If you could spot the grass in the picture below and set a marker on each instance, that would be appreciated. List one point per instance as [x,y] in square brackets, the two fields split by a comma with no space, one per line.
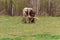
[35,37]
[46,28]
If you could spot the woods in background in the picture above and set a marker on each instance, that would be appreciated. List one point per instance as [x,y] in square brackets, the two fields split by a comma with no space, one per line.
[42,7]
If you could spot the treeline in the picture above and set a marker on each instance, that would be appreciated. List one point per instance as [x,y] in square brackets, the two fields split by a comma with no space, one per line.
[49,8]
[43,8]
[12,7]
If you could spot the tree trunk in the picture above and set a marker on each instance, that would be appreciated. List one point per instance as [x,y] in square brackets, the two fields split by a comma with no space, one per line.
[11,8]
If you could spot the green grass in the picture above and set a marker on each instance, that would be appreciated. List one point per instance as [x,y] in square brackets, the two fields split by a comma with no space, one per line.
[35,37]
[46,28]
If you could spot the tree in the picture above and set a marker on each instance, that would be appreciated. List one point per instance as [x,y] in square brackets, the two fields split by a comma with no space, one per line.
[35,5]
[11,7]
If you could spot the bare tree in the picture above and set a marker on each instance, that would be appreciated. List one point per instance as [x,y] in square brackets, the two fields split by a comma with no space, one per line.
[6,5]
[11,7]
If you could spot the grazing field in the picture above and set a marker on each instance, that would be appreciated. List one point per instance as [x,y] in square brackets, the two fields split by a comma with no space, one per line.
[46,28]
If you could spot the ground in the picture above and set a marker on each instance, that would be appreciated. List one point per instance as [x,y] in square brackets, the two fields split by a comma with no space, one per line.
[46,28]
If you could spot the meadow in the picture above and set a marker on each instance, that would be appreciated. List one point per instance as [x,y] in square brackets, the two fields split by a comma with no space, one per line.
[46,28]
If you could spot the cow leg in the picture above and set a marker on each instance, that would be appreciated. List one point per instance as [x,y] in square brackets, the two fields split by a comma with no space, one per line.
[33,20]
[29,20]
[24,20]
